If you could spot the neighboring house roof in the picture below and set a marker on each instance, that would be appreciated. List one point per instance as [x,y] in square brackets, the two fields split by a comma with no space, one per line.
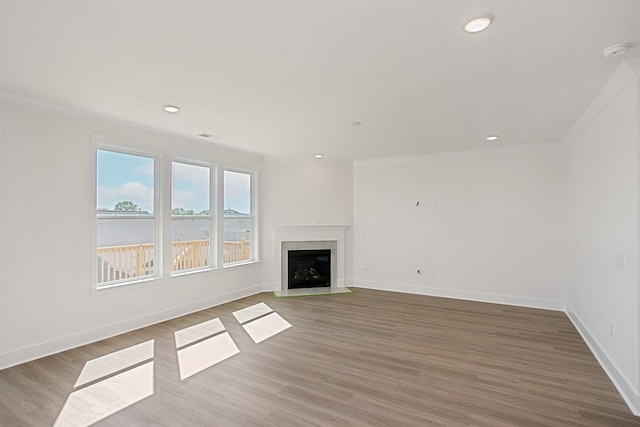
[129,231]
[232,212]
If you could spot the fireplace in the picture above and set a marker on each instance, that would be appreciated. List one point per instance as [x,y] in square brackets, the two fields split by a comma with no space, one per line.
[309,268]
[309,264]
[292,238]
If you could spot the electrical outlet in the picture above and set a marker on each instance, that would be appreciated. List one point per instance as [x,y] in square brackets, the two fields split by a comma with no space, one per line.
[419,271]
[611,329]
[620,261]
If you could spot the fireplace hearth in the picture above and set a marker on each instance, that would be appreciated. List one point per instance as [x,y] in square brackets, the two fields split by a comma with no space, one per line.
[309,268]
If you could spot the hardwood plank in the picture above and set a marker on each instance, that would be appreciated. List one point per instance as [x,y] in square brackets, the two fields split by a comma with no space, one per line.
[370,358]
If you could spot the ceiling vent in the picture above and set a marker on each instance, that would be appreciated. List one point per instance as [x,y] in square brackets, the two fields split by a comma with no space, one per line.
[615,50]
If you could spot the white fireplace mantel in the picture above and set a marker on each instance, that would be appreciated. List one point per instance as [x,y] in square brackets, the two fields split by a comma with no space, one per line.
[310,233]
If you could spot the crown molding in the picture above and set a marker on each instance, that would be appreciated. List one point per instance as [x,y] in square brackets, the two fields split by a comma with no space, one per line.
[626,72]
[92,118]
[462,153]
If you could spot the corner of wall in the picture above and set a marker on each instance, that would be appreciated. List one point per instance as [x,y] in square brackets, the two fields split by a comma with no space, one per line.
[634,65]
[630,395]
[605,127]
[270,287]
[626,72]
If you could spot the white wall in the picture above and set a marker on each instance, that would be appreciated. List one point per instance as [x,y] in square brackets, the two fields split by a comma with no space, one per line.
[489,226]
[304,192]
[46,214]
[602,225]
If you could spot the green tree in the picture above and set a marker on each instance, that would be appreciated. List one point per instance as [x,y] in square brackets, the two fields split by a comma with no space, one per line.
[181,211]
[126,206]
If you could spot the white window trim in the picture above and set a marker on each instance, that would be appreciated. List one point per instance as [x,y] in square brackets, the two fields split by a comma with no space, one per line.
[106,144]
[212,219]
[162,210]
[253,255]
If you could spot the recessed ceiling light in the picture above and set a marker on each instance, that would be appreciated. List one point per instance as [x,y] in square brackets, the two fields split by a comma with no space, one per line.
[318,156]
[492,137]
[171,108]
[478,24]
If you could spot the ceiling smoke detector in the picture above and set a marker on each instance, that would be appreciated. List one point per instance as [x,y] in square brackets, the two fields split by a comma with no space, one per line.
[615,50]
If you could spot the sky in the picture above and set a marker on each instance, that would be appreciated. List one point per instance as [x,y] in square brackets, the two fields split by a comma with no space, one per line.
[237,193]
[190,187]
[125,177]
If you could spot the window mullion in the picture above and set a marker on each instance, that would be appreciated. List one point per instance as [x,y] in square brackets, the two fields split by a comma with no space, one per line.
[219,217]
[213,219]
[164,214]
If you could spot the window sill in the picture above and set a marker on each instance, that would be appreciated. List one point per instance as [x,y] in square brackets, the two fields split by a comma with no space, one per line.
[240,264]
[158,280]
[189,272]
[122,285]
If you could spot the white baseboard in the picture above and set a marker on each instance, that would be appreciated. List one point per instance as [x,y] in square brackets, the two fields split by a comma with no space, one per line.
[463,295]
[630,395]
[273,286]
[36,351]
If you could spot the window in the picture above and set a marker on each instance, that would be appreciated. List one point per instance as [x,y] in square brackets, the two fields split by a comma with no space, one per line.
[125,216]
[156,216]
[238,216]
[190,217]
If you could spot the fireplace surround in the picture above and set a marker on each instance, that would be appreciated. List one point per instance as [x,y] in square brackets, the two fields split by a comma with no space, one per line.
[310,237]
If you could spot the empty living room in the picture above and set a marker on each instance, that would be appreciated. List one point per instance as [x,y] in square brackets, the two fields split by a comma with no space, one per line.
[316,213]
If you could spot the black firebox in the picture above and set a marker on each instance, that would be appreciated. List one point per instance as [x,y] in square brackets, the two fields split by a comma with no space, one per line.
[309,268]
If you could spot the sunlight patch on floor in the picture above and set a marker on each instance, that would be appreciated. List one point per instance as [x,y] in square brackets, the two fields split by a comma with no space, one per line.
[90,404]
[114,362]
[203,355]
[197,332]
[127,376]
[252,312]
[266,327]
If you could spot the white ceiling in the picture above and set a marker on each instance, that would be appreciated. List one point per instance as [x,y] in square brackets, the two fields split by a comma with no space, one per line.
[289,77]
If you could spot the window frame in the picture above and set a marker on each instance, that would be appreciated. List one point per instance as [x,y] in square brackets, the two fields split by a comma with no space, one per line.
[163,155]
[253,252]
[156,216]
[211,217]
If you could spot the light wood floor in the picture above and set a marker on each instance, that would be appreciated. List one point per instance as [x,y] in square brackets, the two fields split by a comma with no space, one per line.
[370,358]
